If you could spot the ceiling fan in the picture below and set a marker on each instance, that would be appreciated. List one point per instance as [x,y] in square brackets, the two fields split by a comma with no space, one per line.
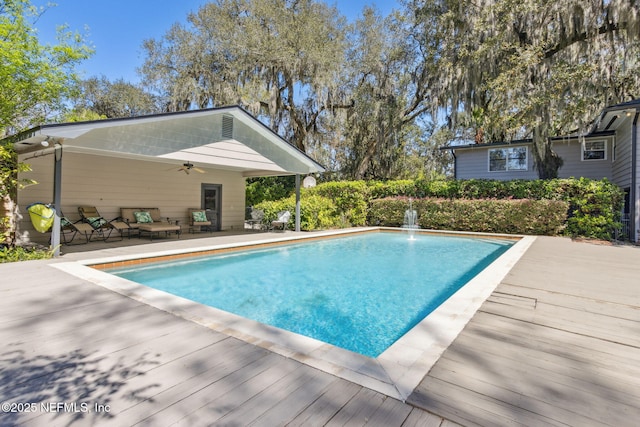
[187,167]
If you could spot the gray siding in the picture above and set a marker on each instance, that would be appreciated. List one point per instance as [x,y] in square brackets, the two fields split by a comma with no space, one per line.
[636,170]
[110,183]
[473,163]
[570,152]
[621,173]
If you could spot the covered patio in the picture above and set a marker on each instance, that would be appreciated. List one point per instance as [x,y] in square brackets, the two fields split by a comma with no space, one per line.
[172,161]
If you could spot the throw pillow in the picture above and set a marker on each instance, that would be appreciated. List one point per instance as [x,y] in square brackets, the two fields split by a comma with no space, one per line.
[96,222]
[199,216]
[143,217]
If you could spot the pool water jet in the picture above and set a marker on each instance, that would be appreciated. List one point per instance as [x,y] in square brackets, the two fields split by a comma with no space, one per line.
[411,220]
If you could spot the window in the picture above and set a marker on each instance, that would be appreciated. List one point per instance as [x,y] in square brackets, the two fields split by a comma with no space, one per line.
[594,150]
[508,159]
[613,151]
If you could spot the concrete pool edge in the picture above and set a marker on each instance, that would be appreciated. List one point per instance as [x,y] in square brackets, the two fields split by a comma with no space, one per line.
[396,372]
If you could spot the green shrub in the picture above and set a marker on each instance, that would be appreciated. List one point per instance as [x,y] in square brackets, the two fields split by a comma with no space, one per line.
[388,212]
[382,189]
[524,216]
[13,254]
[5,229]
[350,198]
[268,188]
[316,212]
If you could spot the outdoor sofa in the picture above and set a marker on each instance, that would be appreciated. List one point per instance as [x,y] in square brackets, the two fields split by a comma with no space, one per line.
[148,220]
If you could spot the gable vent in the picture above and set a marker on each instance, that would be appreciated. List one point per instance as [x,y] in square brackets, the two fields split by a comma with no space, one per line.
[227,127]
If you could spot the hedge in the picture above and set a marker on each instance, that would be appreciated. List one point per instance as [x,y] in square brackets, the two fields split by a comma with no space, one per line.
[523,216]
[593,206]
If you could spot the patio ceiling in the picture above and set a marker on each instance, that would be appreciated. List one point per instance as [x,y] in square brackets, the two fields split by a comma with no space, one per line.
[222,138]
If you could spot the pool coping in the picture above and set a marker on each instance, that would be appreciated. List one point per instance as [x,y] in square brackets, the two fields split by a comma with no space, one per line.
[396,372]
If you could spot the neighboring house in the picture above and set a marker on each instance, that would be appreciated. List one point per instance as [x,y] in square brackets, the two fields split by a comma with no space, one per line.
[609,150]
[143,162]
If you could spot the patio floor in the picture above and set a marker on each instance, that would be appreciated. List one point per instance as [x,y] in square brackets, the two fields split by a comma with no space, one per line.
[557,343]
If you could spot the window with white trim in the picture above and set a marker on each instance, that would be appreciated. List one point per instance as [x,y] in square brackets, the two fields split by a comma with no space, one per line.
[508,159]
[594,150]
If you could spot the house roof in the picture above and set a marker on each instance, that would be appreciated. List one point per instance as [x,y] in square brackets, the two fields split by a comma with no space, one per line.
[610,119]
[222,138]
[612,116]
[527,141]
[491,144]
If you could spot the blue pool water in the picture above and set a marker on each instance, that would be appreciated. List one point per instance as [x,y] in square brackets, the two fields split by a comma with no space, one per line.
[360,293]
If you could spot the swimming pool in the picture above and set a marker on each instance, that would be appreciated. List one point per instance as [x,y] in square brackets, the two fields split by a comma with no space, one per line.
[360,292]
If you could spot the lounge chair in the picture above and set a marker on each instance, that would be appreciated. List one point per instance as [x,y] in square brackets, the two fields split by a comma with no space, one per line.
[42,218]
[198,219]
[282,220]
[104,228]
[75,228]
[148,220]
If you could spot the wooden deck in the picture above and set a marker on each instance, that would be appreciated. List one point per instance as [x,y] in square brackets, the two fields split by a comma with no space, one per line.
[557,343]
[65,341]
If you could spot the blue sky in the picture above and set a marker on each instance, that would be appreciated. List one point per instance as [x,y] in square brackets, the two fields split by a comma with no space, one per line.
[117,28]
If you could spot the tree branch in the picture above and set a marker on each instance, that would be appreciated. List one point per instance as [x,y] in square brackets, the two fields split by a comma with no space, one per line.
[563,44]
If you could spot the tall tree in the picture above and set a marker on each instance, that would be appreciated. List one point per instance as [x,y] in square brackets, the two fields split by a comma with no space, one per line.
[278,58]
[35,79]
[381,130]
[530,68]
[115,99]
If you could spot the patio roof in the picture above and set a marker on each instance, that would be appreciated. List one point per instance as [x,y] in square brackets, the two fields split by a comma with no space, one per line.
[222,138]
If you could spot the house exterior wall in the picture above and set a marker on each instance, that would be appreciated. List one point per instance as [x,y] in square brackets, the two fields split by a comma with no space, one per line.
[570,151]
[473,163]
[635,169]
[621,171]
[109,183]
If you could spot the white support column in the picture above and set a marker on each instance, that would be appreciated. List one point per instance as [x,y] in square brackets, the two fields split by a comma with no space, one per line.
[57,198]
[297,202]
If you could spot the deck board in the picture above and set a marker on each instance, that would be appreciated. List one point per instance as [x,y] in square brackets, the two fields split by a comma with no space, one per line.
[298,398]
[390,411]
[418,418]
[358,410]
[180,397]
[322,409]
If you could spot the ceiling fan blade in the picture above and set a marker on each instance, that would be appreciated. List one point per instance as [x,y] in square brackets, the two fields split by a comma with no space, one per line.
[198,170]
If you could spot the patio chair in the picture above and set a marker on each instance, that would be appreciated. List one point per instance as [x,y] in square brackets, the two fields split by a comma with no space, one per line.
[198,219]
[282,220]
[256,218]
[75,228]
[102,227]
